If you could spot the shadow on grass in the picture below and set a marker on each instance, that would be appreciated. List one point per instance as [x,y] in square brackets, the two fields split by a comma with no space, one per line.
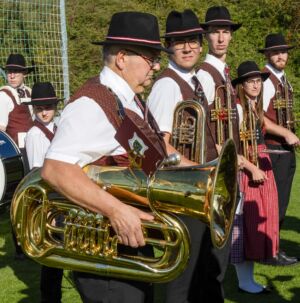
[25,271]
[291,224]
[233,295]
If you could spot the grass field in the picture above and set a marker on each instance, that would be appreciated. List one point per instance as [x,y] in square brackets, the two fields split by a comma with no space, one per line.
[19,280]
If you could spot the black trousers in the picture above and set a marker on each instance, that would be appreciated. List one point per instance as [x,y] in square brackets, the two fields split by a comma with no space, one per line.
[211,270]
[97,289]
[18,249]
[50,284]
[202,279]
[284,167]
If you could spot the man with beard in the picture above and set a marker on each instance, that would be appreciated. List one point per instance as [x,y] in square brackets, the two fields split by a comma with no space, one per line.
[280,136]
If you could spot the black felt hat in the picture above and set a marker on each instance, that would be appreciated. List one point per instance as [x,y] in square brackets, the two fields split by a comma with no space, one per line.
[275,42]
[43,93]
[133,28]
[16,62]
[182,24]
[218,16]
[248,69]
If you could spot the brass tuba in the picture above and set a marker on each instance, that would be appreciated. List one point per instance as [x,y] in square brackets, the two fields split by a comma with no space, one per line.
[248,137]
[85,241]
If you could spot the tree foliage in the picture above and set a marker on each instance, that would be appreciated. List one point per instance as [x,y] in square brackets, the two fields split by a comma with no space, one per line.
[88,21]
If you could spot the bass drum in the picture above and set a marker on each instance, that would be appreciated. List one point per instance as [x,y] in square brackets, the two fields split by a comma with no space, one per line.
[11,167]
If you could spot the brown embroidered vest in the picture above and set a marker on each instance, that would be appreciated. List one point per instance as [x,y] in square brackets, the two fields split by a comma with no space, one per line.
[189,94]
[271,112]
[219,81]
[19,119]
[107,101]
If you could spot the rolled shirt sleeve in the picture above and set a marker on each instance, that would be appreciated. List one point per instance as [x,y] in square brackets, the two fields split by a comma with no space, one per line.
[162,101]
[268,93]
[84,134]
[6,106]
[36,144]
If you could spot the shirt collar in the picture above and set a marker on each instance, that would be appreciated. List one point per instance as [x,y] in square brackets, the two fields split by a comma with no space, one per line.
[276,72]
[215,62]
[49,125]
[184,74]
[117,84]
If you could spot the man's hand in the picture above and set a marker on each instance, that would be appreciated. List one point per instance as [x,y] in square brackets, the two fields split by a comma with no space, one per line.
[74,184]
[126,222]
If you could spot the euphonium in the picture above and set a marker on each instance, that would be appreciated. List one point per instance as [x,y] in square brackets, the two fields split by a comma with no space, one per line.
[85,241]
[248,137]
[188,131]
[223,115]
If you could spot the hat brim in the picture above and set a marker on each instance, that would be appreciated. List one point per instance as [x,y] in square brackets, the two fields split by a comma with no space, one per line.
[137,43]
[234,26]
[275,48]
[186,33]
[44,102]
[26,70]
[264,76]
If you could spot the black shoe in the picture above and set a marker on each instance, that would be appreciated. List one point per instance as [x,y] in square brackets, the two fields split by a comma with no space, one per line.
[285,256]
[265,290]
[20,256]
[281,260]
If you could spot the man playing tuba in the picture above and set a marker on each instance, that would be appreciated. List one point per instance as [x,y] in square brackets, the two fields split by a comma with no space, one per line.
[86,134]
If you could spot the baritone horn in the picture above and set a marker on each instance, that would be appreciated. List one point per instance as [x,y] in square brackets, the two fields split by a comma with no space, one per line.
[57,233]
[188,131]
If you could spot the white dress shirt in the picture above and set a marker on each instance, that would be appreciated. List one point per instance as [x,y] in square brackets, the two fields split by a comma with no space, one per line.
[37,144]
[206,79]
[7,105]
[84,133]
[165,95]
[269,89]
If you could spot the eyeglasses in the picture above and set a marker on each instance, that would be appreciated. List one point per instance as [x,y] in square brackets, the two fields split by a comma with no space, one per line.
[180,44]
[254,81]
[152,61]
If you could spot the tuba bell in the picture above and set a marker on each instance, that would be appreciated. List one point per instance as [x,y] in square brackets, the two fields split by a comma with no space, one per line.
[55,232]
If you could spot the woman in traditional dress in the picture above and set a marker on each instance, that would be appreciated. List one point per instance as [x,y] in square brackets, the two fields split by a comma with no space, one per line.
[256,232]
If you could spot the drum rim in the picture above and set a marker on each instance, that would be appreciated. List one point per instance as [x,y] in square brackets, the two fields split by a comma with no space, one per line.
[19,154]
[2,169]
[16,147]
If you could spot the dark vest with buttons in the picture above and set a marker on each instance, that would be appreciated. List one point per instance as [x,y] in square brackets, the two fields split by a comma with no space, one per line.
[19,119]
[219,81]
[189,94]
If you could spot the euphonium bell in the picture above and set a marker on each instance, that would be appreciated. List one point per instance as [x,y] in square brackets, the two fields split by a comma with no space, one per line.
[58,233]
